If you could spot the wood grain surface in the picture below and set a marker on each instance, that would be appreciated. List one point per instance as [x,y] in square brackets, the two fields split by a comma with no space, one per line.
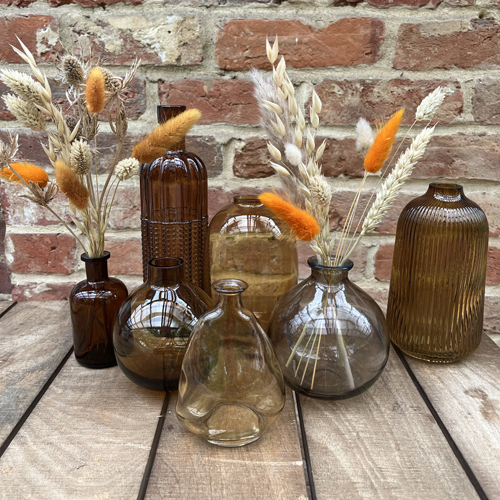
[466,396]
[187,467]
[33,341]
[4,305]
[88,438]
[381,444]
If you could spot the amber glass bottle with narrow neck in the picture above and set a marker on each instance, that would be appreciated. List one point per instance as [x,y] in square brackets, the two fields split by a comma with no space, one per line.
[174,216]
[436,299]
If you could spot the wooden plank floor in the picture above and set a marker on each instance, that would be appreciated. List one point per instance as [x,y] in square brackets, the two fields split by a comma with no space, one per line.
[466,396]
[33,342]
[4,305]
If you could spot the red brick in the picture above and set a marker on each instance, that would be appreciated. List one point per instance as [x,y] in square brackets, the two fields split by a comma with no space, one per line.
[383,262]
[224,3]
[40,253]
[448,44]
[218,198]
[348,42]
[29,28]
[208,150]
[251,159]
[91,3]
[486,101]
[16,3]
[42,291]
[345,101]
[155,39]
[5,284]
[219,100]
[493,269]
[126,255]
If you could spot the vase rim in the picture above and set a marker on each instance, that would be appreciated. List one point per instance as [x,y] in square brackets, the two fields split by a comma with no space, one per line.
[105,256]
[166,263]
[446,185]
[248,198]
[230,286]
[312,262]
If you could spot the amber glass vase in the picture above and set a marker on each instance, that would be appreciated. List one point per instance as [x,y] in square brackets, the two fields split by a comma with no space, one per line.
[231,387]
[248,242]
[94,304]
[330,336]
[174,219]
[436,299]
[154,324]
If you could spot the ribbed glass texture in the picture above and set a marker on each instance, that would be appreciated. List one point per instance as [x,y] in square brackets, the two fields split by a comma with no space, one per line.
[436,298]
[174,217]
[248,242]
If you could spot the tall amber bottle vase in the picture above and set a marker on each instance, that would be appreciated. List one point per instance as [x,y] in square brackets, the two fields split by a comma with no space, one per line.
[436,298]
[174,218]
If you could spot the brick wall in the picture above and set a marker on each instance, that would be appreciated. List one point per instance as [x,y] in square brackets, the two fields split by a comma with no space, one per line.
[366,58]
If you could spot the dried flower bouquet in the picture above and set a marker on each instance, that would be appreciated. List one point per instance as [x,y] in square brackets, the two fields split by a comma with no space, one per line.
[72,135]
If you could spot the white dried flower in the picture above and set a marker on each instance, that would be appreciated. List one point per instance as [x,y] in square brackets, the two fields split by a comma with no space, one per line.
[293,154]
[272,53]
[364,135]
[430,104]
[127,168]
[320,190]
[281,68]
[275,152]
[24,86]
[27,113]
[280,170]
[316,102]
[81,157]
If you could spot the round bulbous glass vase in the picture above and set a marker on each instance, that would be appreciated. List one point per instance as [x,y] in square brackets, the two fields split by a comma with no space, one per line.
[329,335]
[231,387]
[154,323]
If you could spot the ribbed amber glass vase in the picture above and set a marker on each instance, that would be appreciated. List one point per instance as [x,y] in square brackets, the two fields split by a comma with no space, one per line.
[436,298]
[174,218]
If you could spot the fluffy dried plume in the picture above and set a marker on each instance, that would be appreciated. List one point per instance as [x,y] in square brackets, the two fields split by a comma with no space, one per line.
[127,168]
[95,91]
[26,112]
[24,86]
[293,154]
[27,172]
[71,186]
[428,107]
[303,225]
[364,135]
[165,136]
[382,145]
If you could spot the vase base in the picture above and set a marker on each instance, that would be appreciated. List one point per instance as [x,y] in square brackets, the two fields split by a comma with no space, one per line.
[96,366]
[153,384]
[438,358]
[234,444]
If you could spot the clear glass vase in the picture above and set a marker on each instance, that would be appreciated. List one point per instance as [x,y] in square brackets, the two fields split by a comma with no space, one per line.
[154,324]
[248,242]
[330,336]
[436,299]
[231,387]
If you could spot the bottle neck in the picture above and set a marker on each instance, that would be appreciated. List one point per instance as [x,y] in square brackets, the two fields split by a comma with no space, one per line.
[96,268]
[229,291]
[164,114]
[329,275]
[165,272]
[248,201]
[446,192]
[229,301]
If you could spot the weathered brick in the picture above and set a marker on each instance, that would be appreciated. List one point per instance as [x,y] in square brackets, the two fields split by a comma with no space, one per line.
[119,39]
[224,3]
[493,269]
[92,3]
[219,100]
[126,255]
[345,101]
[251,159]
[347,42]
[486,101]
[16,3]
[5,284]
[383,262]
[38,33]
[5,114]
[40,253]
[42,291]
[447,44]
[218,198]
[208,150]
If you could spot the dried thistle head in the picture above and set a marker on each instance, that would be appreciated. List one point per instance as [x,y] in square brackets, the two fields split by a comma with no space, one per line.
[8,152]
[26,112]
[112,83]
[81,157]
[74,71]
[42,196]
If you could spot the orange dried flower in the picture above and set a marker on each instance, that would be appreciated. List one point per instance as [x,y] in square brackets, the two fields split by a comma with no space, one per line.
[303,225]
[71,186]
[382,145]
[165,136]
[28,172]
[95,91]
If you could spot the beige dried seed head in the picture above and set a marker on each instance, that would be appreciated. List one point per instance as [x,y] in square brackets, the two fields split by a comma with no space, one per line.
[27,113]
[73,70]
[81,157]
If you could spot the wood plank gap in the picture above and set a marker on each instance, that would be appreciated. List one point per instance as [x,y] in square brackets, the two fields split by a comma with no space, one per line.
[154,447]
[33,404]
[311,490]
[456,450]
[3,313]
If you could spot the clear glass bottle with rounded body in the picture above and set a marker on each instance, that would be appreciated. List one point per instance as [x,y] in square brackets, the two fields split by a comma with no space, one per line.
[94,304]
[248,242]
[231,387]
[436,298]
[330,336]
[174,213]
[154,323]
